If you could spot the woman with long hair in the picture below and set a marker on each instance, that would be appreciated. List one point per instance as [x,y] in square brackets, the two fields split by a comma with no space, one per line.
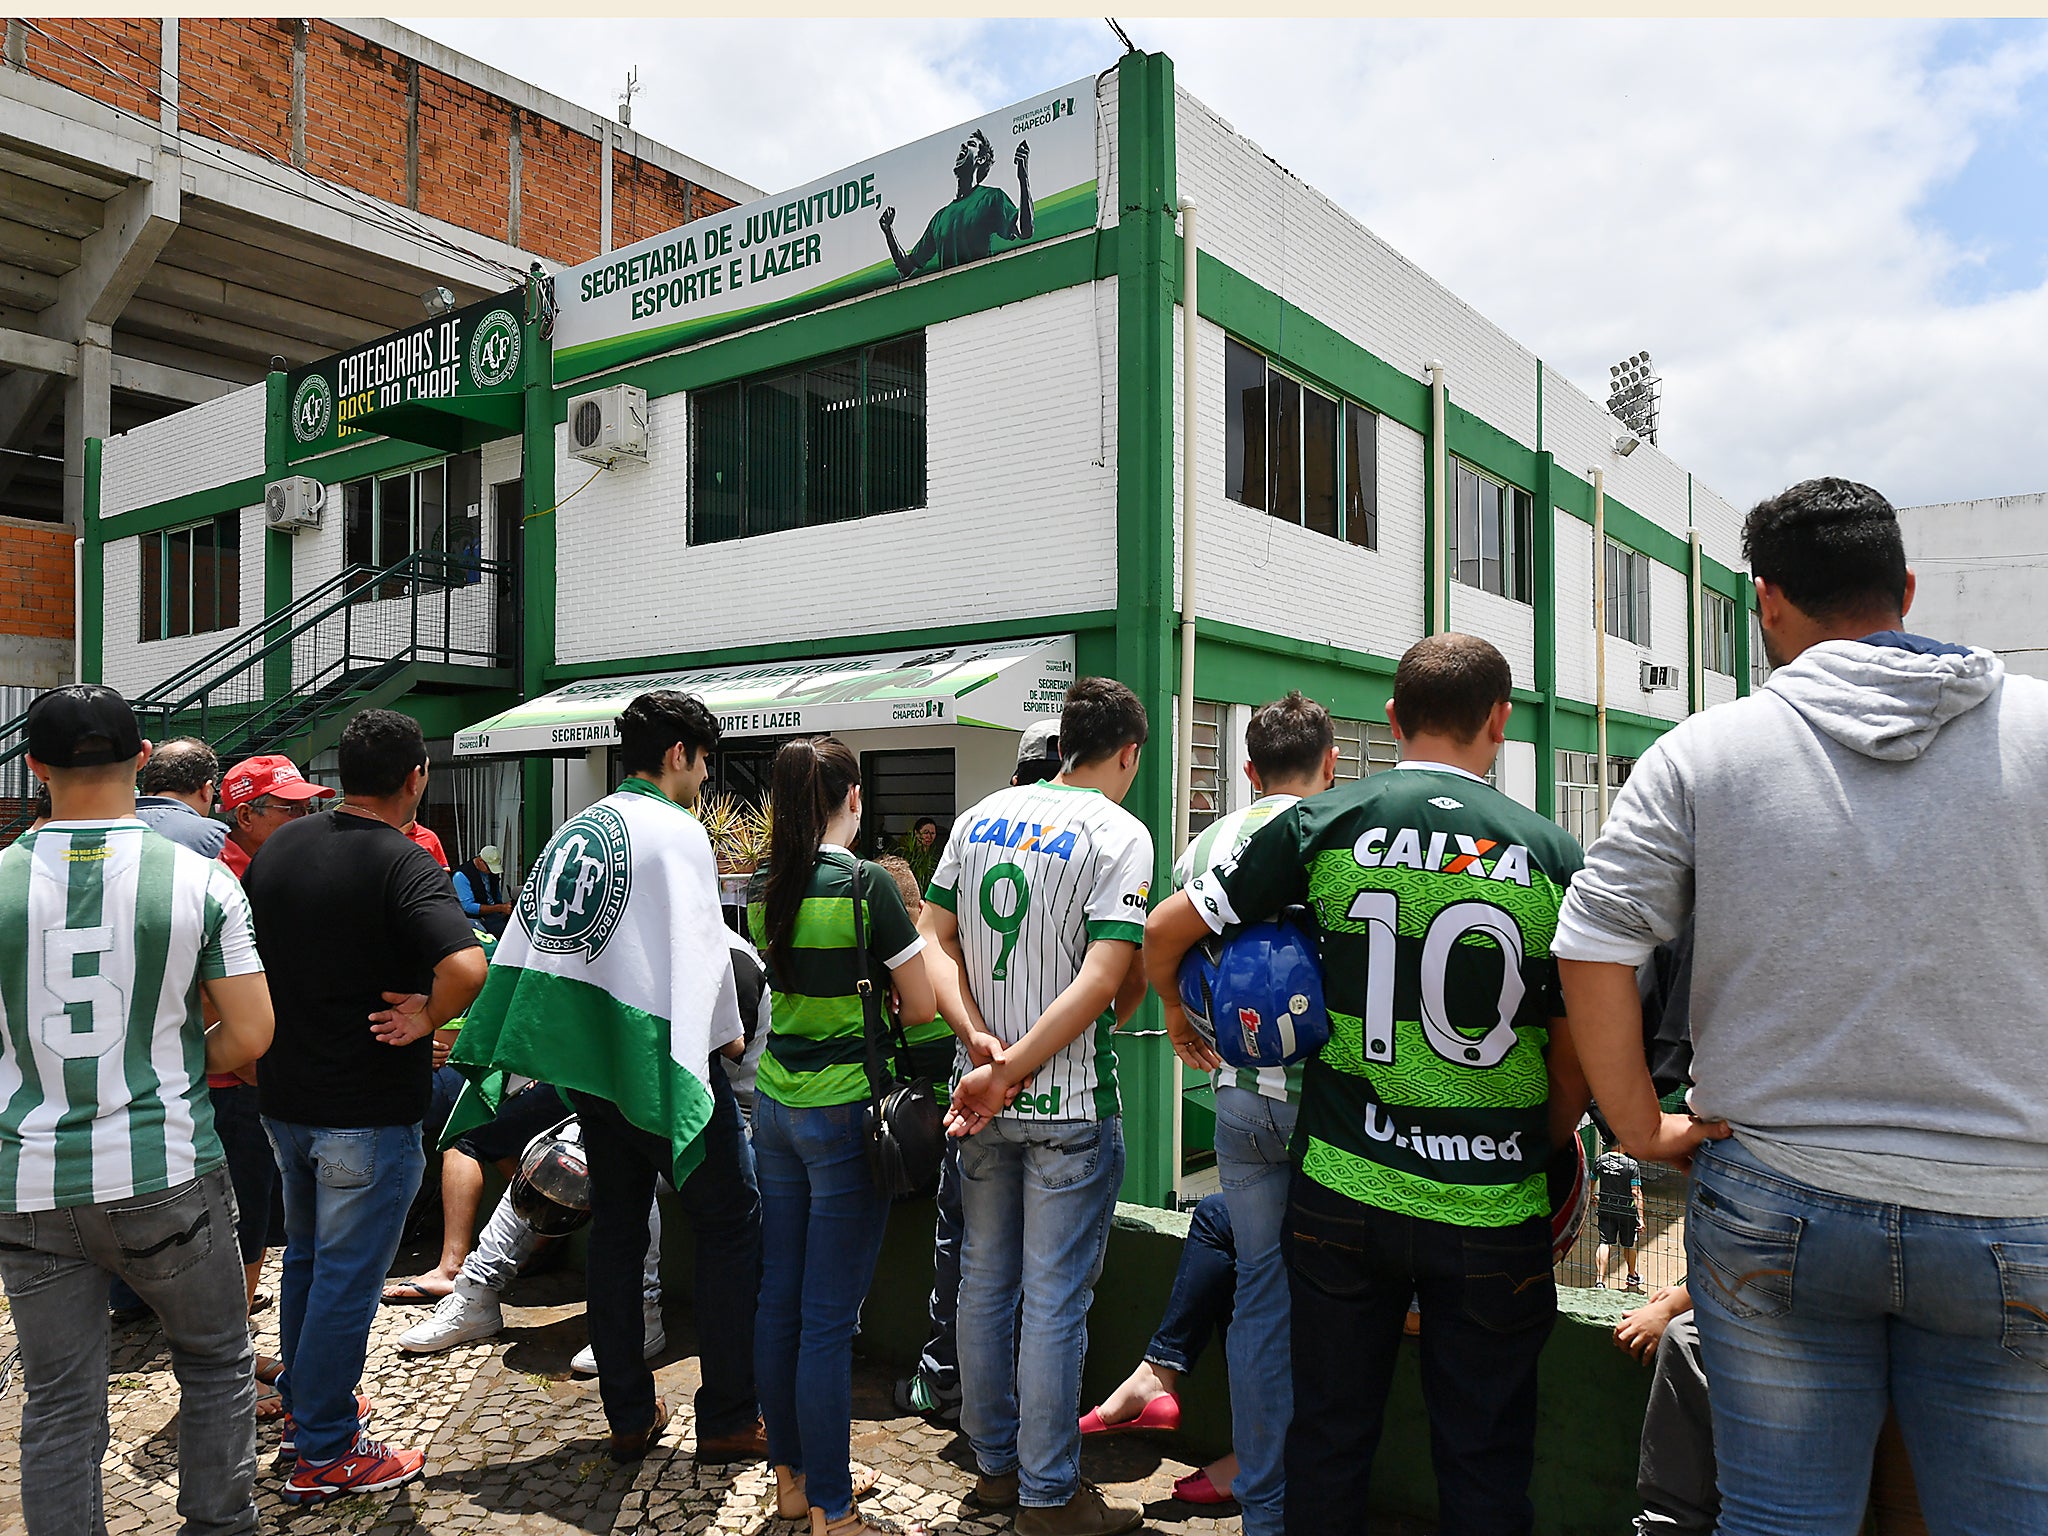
[822,1217]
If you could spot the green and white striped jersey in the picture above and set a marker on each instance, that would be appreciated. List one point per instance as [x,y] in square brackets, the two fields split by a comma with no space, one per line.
[106,929]
[1217,843]
[1034,873]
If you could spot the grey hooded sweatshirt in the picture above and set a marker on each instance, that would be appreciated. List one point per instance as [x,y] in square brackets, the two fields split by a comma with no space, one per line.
[1863,846]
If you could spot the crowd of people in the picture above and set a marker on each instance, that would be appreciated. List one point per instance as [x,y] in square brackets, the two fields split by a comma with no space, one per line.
[1867,1138]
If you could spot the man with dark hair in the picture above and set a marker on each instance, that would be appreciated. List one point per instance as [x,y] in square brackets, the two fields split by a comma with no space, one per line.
[177,795]
[967,228]
[261,794]
[110,937]
[617,984]
[369,953]
[1862,846]
[1038,904]
[1426,1122]
[1291,754]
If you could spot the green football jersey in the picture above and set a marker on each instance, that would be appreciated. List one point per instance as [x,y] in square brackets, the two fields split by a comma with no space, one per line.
[965,230]
[1437,898]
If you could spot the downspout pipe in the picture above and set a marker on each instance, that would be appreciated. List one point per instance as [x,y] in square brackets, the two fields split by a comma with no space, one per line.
[1184,770]
[1600,634]
[78,604]
[1696,683]
[1440,459]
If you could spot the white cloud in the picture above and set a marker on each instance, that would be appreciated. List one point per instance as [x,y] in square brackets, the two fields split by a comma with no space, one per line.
[1739,197]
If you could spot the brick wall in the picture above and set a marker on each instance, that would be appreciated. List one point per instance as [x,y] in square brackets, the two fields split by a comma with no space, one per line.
[449,155]
[35,599]
[235,82]
[356,109]
[129,48]
[465,172]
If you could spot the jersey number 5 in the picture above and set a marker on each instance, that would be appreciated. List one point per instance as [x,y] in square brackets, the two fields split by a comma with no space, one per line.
[1380,911]
[1005,923]
[106,1005]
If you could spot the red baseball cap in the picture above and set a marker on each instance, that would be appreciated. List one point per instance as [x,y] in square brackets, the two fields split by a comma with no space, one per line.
[278,777]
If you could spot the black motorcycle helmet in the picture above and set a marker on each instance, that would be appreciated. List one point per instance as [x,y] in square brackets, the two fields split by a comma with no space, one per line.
[552,1190]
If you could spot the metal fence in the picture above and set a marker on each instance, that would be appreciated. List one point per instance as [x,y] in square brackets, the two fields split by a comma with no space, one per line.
[1660,1244]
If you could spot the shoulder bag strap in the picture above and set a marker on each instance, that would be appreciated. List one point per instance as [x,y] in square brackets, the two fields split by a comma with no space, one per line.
[871,1009]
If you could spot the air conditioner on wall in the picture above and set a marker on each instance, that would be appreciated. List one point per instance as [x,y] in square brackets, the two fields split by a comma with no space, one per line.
[293,503]
[609,425]
[1659,679]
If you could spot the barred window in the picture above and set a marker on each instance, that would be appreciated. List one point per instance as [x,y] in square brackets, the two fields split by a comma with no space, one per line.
[842,437]
[1208,777]
[1364,747]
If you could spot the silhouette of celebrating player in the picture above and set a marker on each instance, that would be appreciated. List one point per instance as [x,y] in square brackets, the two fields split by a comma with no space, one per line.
[967,228]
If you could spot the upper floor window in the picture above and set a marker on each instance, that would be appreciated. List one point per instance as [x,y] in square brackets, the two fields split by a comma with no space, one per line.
[192,578]
[839,438]
[1717,632]
[1290,450]
[435,508]
[1490,538]
[1759,663]
[1628,594]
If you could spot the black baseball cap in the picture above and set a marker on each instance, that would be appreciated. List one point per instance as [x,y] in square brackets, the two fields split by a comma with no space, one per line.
[82,726]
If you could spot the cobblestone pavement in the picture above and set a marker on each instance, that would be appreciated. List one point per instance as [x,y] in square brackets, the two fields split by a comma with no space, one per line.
[516,1444]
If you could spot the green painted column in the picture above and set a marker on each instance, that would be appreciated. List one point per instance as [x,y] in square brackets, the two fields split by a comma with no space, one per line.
[1545,575]
[1146,651]
[277,544]
[91,616]
[537,606]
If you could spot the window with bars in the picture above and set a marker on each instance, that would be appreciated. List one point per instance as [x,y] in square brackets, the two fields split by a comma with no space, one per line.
[1490,540]
[840,438]
[1208,775]
[435,508]
[1628,594]
[1364,747]
[1717,632]
[192,578]
[1578,791]
[1305,457]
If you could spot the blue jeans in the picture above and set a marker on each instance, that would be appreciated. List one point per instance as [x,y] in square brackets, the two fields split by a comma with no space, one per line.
[1204,1290]
[346,1192]
[1038,1197]
[939,1364]
[1252,1136]
[822,1220]
[177,1249]
[1815,1310]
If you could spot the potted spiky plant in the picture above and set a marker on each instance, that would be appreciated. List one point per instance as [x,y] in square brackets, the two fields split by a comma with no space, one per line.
[738,832]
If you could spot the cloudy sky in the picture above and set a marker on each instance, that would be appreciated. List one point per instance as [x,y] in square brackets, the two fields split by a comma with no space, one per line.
[1832,236]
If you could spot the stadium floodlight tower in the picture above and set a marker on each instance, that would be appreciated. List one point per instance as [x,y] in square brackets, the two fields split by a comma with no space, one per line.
[1634,395]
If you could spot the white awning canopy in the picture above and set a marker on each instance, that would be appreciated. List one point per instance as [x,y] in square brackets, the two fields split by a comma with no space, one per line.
[1003,685]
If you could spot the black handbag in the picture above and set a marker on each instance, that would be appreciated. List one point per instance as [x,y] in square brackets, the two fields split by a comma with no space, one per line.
[906,1123]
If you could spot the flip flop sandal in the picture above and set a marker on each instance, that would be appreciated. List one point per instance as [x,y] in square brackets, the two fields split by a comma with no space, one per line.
[402,1292]
[268,1370]
[269,1402]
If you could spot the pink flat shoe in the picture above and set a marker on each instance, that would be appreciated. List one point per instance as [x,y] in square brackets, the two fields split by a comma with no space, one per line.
[1163,1412]
[1196,1488]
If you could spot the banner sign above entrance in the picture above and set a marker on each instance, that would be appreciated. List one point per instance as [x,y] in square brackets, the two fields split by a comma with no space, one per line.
[463,356]
[1023,174]
[1003,685]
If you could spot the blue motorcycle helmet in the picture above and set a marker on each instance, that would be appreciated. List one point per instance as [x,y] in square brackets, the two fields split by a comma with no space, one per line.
[1256,993]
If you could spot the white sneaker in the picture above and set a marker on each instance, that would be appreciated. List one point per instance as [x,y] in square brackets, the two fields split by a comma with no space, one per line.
[585,1363]
[457,1318]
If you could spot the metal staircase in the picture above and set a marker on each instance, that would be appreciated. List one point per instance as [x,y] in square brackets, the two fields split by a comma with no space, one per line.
[289,682]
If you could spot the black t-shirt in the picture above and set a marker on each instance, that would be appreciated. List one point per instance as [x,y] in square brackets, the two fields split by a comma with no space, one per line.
[347,909]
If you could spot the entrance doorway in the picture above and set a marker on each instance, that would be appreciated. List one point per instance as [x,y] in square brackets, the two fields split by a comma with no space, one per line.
[897,788]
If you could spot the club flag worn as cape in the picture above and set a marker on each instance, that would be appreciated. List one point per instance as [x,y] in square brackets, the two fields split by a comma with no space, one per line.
[612,978]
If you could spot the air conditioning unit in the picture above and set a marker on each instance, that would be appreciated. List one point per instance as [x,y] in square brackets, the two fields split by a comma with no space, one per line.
[609,425]
[294,502]
[1659,679]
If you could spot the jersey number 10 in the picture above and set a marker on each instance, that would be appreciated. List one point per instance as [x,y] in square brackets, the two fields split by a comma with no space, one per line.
[1380,912]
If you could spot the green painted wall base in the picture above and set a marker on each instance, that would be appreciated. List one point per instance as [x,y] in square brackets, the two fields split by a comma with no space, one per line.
[1592,1395]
